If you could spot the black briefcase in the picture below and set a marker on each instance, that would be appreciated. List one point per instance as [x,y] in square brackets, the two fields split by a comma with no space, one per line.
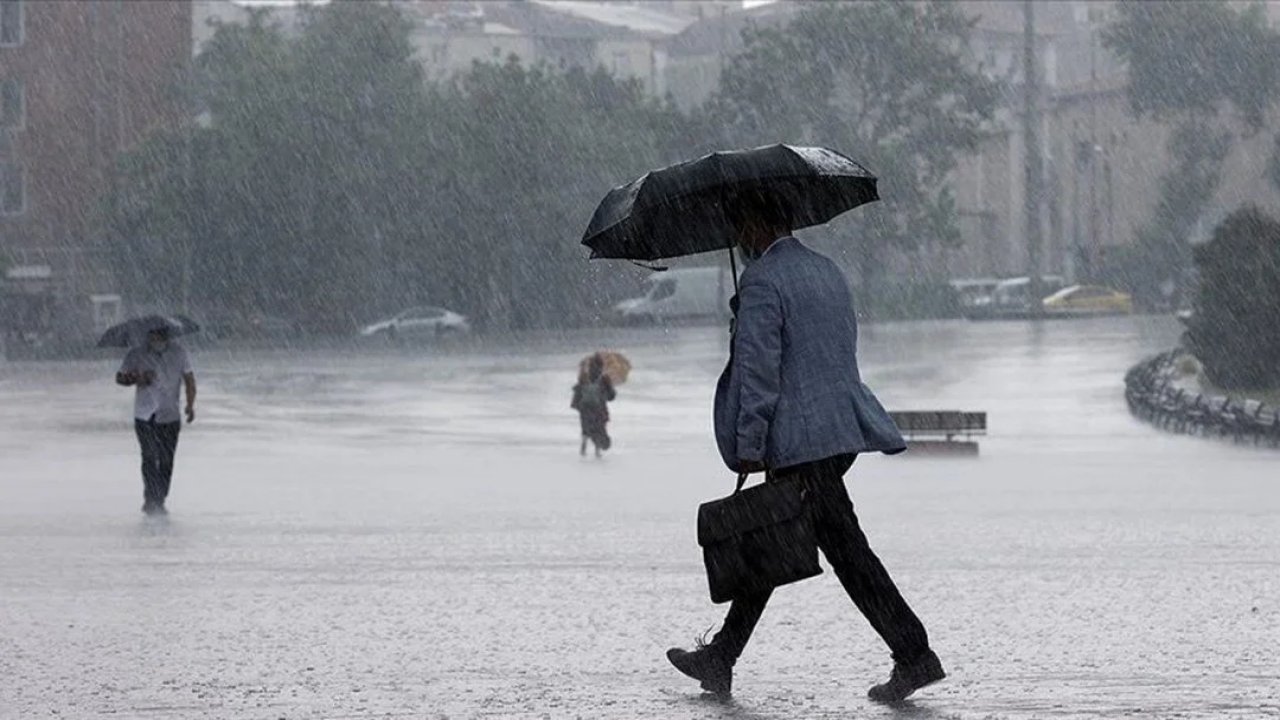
[757,539]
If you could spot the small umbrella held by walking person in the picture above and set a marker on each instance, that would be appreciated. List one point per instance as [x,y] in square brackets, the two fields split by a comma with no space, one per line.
[616,365]
[133,332]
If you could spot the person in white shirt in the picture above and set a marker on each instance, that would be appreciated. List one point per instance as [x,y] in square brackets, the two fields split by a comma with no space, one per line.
[156,369]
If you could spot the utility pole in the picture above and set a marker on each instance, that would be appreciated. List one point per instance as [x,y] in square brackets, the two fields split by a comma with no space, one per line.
[1034,165]
[724,43]
[1095,238]
[189,126]
[190,210]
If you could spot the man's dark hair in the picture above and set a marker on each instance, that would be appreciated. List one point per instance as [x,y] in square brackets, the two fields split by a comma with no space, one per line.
[763,207]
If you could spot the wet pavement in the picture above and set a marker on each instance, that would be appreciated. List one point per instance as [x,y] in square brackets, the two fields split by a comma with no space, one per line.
[410,533]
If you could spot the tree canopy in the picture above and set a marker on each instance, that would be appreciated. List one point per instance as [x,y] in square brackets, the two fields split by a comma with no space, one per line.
[1197,58]
[1195,66]
[333,182]
[529,153]
[886,83]
[1235,330]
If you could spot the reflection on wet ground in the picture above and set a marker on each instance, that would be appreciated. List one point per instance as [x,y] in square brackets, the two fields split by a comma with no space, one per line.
[410,533]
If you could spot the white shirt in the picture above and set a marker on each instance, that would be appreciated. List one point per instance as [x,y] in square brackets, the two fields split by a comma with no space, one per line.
[160,398]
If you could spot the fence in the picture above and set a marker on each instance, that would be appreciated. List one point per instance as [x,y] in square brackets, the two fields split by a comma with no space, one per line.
[1152,396]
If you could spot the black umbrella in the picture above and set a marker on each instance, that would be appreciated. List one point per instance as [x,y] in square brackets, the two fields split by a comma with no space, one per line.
[679,210]
[134,331]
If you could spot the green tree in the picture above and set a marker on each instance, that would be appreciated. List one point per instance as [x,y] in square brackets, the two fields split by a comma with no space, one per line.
[886,82]
[533,151]
[1196,59]
[1235,331]
[152,227]
[1189,64]
[1273,164]
[1186,193]
[334,183]
[301,194]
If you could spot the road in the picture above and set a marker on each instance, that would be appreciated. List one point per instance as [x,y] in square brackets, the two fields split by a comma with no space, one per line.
[411,533]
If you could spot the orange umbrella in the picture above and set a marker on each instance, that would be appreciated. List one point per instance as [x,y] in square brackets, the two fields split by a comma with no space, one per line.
[616,365]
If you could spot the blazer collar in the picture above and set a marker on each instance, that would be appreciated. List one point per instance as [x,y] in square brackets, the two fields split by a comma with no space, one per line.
[785,239]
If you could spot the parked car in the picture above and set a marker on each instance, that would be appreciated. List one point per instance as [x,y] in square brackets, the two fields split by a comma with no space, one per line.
[1015,293]
[680,295]
[973,292]
[1088,300]
[419,323]
[1010,299]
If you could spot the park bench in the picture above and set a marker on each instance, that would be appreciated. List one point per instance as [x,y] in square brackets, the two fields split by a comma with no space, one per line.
[1262,423]
[941,431]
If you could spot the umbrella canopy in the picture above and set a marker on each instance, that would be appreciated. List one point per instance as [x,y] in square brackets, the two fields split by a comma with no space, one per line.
[134,331]
[616,366]
[679,210]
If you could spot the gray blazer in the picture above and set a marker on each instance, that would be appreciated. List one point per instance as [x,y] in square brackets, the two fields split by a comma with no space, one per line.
[792,392]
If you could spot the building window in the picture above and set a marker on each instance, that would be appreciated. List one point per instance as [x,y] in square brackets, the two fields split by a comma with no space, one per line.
[10,22]
[13,105]
[13,189]
[621,64]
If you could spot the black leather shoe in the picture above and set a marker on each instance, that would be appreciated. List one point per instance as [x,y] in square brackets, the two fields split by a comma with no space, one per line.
[907,678]
[705,666]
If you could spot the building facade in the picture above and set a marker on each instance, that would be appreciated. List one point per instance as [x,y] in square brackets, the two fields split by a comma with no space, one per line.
[627,39]
[81,81]
[1102,166]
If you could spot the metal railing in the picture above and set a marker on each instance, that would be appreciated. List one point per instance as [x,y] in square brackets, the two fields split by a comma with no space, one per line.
[1152,396]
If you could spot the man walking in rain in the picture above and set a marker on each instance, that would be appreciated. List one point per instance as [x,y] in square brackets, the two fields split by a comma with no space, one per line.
[792,404]
[156,369]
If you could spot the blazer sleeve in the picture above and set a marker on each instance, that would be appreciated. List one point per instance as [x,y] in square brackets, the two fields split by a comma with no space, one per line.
[758,362]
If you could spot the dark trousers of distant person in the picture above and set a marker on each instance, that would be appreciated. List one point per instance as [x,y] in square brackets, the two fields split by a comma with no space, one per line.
[845,547]
[159,443]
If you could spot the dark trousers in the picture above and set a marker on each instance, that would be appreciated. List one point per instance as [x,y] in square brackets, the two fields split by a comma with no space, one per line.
[595,428]
[159,442]
[846,549]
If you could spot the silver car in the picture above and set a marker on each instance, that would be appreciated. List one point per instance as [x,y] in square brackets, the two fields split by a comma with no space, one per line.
[424,322]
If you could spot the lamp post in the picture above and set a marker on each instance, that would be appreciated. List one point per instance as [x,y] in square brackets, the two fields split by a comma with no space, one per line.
[1034,168]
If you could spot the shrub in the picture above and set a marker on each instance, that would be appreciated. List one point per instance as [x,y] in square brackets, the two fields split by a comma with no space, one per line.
[1235,330]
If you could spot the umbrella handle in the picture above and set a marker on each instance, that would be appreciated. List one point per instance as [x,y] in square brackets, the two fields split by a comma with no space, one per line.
[733,269]
[733,321]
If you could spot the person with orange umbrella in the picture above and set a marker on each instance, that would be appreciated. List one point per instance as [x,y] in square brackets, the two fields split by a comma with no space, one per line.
[597,375]
[616,365]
